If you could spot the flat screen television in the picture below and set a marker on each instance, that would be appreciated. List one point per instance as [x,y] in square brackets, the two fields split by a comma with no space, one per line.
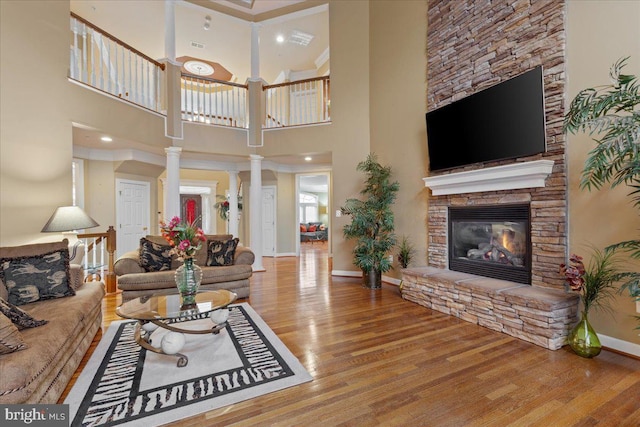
[502,122]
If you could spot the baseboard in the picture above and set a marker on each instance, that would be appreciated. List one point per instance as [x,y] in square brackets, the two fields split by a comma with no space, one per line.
[283,254]
[391,280]
[346,273]
[620,345]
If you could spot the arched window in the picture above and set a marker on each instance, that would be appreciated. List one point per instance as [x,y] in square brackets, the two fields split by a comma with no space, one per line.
[308,207]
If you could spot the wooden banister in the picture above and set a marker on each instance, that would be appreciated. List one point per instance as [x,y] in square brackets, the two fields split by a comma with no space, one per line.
[110,242]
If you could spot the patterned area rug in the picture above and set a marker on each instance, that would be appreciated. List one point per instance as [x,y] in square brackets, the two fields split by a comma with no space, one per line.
[124,384]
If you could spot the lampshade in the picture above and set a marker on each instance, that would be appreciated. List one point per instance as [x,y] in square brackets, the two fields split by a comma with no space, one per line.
[68,218]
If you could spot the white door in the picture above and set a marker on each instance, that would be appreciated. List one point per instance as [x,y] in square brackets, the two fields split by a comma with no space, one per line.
[132,211]
[268,221]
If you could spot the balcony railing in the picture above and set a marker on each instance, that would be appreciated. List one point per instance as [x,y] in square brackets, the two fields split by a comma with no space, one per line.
[297,103]
[99,257]
[103,62]
[212,101]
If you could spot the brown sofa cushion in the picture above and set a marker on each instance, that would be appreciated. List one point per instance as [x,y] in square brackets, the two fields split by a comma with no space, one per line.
[166,279]
[47,271]
[10,338]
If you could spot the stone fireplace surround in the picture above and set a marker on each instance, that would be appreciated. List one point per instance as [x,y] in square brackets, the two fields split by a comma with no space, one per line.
[542,313]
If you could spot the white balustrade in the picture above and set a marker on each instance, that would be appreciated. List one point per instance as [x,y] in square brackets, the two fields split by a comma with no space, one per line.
[212,101]
[110,65]
[297,103]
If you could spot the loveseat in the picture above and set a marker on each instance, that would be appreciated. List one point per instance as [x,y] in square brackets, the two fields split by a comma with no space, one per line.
[135,280]
[43,342]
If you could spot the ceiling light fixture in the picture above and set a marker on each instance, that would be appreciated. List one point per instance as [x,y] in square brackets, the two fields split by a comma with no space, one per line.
[280,38]
[106,139]
[308,158]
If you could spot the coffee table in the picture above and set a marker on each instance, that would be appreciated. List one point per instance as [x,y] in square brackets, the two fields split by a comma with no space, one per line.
[167,311]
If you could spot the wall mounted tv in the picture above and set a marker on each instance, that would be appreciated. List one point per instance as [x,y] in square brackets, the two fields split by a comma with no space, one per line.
[502,122]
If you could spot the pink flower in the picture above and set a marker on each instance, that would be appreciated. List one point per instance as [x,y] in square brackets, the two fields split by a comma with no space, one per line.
[184,245]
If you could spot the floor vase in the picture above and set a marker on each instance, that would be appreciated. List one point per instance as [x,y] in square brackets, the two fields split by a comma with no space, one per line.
[188,277]
[583,338]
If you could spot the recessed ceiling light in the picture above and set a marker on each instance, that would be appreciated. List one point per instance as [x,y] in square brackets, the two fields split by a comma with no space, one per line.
[106,139]
[280,38]
[308,158]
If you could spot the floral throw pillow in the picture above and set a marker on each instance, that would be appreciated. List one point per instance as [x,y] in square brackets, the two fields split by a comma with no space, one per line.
[221,252]
[153,256]
[37,277]
[10,338]
[19,317]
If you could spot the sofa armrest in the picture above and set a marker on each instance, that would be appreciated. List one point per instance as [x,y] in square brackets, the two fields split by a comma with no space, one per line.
[244,256]
[128,263]
[76,274]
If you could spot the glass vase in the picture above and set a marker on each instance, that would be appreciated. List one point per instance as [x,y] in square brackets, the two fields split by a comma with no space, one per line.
[583,338]
[188,277]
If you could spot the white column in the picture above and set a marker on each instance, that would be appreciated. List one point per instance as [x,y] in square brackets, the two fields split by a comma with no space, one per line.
[170,30]
[233,203]
[255,51]
[172,199]
[206,213]
[255,214]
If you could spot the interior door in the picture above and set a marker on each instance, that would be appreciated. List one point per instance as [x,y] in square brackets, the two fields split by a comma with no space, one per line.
[268,221]
[132,211]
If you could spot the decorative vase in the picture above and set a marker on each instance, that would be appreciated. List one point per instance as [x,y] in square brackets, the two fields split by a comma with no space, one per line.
[583,338]
[188,277]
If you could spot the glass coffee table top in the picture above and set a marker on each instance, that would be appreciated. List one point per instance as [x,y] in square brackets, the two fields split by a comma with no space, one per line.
[168,307]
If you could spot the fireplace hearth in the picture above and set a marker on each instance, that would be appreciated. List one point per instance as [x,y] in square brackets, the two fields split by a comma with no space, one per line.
[491,241]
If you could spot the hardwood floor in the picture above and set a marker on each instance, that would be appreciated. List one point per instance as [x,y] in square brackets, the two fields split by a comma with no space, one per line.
[379,360]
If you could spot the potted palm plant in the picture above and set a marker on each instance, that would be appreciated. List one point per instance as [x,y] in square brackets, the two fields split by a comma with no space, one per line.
[611,112]
[372,222]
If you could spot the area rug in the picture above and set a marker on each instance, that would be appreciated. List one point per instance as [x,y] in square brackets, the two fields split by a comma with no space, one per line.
[124,384]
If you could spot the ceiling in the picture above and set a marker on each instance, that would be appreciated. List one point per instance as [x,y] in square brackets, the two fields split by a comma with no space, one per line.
[226,42]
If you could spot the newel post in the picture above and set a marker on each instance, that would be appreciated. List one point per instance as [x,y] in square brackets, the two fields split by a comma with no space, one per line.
[110,279]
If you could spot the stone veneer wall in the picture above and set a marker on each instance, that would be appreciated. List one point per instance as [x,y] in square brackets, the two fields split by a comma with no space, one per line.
[474,44]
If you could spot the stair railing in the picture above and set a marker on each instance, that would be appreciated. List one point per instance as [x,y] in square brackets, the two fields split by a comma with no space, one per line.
[99,257]
[297,103]
[211,101]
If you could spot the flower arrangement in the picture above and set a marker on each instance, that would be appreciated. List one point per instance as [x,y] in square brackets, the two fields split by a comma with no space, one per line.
[223,206]
[185,238]
[594,283]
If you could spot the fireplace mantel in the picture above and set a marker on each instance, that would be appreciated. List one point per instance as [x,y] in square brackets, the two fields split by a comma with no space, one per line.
[506,177]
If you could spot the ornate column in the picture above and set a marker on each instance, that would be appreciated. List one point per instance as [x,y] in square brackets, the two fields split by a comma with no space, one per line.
[233,203]
[255,212]
[172,199]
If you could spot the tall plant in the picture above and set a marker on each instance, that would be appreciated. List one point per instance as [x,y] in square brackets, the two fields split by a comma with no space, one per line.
[372,223]
[611,112]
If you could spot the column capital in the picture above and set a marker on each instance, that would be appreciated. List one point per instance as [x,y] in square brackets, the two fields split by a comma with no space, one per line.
[255,157]
[173,151]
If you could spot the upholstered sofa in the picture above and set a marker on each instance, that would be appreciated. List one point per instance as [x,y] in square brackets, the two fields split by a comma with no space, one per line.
[134,281]
[39,361]
[313,231]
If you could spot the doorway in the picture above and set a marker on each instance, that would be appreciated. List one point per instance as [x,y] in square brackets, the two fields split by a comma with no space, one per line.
[313,208]
[132,212]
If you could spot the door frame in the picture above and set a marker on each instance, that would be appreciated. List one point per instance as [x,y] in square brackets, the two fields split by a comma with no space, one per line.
[147,214]
[275,219]
[329,198]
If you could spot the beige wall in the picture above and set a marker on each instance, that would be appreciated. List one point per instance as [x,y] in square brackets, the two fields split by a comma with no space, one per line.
[598,34]
[35,132]
[398,130]
[286,213]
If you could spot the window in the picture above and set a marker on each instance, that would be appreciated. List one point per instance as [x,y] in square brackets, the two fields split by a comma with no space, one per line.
[308,207]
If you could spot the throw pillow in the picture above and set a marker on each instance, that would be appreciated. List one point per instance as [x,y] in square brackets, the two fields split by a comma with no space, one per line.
[153,256]
[221,252]
[303,228]
[10,338]
[19,317]
[312,228]
[37,277]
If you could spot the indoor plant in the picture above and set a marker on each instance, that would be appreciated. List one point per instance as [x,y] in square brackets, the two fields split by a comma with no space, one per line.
[222,205]
[595,284]
[611,112]
[372,221]
[185,240]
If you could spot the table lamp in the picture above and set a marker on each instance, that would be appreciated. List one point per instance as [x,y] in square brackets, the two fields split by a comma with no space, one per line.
[66,220]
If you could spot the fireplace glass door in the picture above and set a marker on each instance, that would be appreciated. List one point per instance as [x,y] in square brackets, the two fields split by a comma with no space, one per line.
[491,241]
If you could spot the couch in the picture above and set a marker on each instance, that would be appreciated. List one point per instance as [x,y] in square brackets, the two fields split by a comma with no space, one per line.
[41,365]
[313,231]
[135,281]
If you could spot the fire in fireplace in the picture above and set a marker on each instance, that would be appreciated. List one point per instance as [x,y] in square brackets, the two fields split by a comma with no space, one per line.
[492,241]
